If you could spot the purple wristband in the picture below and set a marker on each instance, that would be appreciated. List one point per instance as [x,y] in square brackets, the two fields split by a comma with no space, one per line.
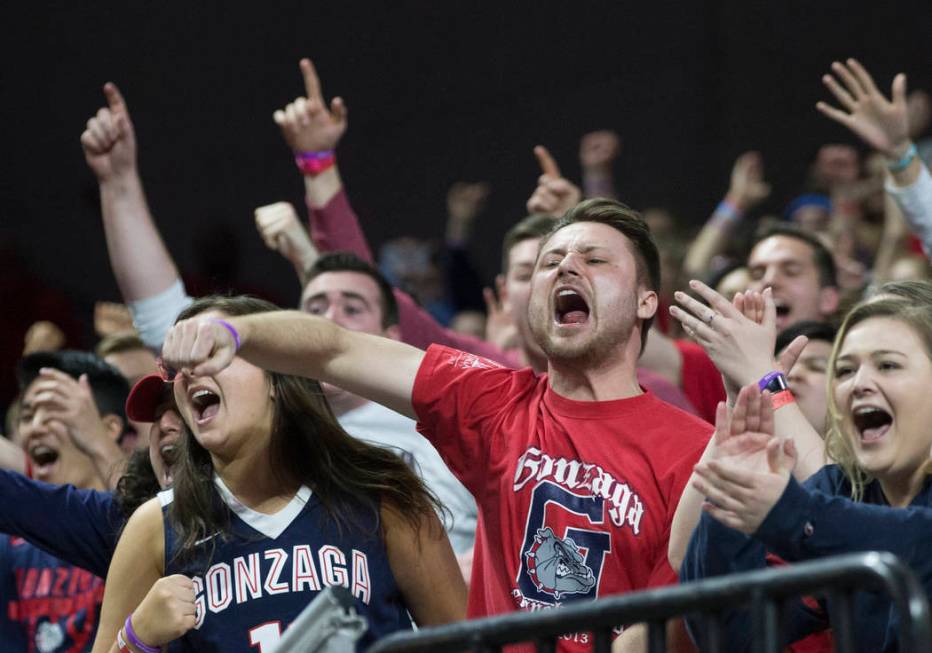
[229,327]
[764,382]
[131,636]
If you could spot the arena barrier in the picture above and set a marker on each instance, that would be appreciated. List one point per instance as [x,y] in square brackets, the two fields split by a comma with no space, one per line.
[838,578]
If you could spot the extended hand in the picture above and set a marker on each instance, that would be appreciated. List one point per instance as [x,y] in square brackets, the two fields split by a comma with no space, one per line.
[749,468]
[748,187]
[883,124]
[109,141]
[740,346]
[306,123]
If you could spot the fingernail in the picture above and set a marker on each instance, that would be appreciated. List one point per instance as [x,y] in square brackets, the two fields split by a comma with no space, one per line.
[693,283]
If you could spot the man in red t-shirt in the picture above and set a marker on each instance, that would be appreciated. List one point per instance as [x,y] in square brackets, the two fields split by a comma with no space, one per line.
[577,473]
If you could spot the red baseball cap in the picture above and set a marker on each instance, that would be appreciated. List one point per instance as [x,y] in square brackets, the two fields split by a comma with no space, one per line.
[145,397]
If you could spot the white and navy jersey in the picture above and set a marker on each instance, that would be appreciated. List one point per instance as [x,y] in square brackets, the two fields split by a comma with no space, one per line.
[252,583]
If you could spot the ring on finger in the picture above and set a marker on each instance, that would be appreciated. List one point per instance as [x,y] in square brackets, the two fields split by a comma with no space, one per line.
[712,316]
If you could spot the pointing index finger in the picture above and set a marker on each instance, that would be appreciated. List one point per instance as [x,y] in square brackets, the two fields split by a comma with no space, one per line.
[115,100]
[311,81]
[548,164]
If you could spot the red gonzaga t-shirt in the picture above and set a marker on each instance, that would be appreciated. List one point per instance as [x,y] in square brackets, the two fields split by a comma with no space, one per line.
[575,497]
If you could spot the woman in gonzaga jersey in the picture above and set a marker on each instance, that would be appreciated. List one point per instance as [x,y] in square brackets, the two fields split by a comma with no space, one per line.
[272,502]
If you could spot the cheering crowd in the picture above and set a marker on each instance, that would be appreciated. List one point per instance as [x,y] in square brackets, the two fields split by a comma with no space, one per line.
[632,406]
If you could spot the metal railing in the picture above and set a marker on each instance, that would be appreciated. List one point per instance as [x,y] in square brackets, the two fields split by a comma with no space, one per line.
[764,591]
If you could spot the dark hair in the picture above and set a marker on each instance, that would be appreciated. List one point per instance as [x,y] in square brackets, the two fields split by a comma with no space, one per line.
[109,387]
[810,328]
[138,483]
[349,262]
[536,225]
[821,256]
[117,343]
[308,446]
[630,223]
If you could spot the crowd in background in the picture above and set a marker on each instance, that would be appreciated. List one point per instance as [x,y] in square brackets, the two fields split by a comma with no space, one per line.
[697,402]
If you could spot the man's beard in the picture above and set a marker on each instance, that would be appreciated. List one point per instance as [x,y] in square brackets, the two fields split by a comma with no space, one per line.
[590,350]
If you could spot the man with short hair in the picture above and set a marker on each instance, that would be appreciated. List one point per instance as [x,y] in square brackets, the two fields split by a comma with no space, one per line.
[72,407]
[801,271]
[346,290]
[577,472]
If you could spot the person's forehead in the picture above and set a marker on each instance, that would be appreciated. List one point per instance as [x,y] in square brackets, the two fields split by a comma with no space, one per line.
[524,252]
[776,249]
[816,349]
[344,281]
[880,334]
[586,235]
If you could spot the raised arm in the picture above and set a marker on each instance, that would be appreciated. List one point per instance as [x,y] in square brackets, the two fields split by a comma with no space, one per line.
[746,190]
[554,194]
[884,125]
[144,270]
[597,152]
[309,126]
[281,231]
[291,342]
[140,261]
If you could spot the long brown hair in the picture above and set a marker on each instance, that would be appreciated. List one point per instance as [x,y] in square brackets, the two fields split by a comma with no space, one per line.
[350,478]
[838,442]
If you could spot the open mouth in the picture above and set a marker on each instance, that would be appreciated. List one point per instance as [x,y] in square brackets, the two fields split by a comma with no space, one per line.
[872,423]
[570,307]
[783,309]
[206,405]
[43,458]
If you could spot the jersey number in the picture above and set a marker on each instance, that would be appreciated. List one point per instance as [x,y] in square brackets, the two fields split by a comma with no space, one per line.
[266,636]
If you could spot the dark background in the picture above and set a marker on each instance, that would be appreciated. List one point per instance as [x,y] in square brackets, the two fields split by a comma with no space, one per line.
[437,92]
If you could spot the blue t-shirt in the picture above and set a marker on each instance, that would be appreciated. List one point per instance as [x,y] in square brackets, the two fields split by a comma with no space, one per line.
[252,583]
[48,605]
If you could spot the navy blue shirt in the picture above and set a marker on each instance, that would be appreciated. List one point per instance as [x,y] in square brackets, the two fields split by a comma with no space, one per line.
[79,526]
[251,583]
[48,605]
[813,520]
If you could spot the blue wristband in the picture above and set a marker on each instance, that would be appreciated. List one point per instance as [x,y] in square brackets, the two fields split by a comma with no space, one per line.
[903,163]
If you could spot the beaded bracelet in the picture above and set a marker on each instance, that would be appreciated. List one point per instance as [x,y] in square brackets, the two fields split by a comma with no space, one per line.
[313,163]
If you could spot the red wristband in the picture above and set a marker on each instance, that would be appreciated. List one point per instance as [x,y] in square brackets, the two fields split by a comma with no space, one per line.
[121,642]
[312,164]
[781,399]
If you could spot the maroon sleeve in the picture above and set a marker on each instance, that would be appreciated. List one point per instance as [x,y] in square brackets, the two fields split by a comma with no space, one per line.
[420,329]
[335,227]
[664,390]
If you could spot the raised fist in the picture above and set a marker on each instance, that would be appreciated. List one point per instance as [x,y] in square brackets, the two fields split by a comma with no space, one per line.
[167,612]
[281,231]
[109,141]
[306,123]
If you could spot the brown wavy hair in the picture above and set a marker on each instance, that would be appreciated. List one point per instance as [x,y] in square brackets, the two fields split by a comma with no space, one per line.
[351,479]
[838,440]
